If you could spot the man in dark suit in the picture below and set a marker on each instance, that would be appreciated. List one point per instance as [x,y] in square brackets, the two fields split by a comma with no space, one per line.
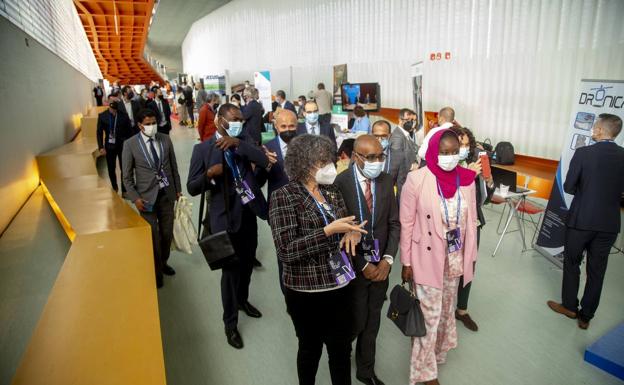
[403,148]
[369,195]
[153,183]
[596,179]
[280,98]
[252,114]
[223,165]
[162,110]
[286,127]
[312,125]
[187,91]
[113,128]
[99,95]
[130,106]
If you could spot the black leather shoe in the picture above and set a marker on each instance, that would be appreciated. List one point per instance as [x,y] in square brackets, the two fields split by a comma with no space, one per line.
[159,282]
[168,270]
[234,338]
[256,263]
[250,310]
[370,381]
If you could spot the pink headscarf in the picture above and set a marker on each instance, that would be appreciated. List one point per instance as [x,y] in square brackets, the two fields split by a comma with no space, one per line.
[446,179]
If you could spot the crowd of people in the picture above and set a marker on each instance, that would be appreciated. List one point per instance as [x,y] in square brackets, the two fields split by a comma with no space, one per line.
[336,234]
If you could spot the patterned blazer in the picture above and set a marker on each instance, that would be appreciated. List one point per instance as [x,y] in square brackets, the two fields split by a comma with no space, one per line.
[301,244]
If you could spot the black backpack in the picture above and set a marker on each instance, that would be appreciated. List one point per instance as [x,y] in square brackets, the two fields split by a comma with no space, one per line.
[504,153]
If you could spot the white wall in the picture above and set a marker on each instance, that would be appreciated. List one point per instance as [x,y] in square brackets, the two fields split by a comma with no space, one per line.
[513,71]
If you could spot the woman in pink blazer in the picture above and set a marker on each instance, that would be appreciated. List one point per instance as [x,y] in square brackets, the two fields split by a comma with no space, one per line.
[437,248]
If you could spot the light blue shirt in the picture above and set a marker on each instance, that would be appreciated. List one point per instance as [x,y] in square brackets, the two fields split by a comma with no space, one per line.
[361,125]
[283,146]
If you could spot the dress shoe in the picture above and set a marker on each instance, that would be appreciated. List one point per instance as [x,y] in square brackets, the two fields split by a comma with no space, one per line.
[370,381]
[234,338]
[168,270]
[583,324]
[432,382]
[467,321]
[159,282]
[256,263]
[559,308]
[250,310]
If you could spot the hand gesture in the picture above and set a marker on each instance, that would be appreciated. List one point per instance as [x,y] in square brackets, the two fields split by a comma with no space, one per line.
[271,155]
[344,225]
[215,170]
[476,166]
[350,241]
[227,142]
[383,270]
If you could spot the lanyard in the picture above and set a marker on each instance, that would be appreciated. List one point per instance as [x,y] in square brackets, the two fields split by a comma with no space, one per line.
[387,168]
[358,189]
[144,149]
[229,159]
[448,223]
[113,126]
[321,209]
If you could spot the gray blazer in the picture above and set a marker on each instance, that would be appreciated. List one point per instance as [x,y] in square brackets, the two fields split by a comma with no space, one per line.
[403,153]
[140,178]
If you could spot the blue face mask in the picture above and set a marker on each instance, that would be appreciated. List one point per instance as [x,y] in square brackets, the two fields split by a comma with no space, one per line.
[234,129]
[312,117]
[384,143]
[371,170]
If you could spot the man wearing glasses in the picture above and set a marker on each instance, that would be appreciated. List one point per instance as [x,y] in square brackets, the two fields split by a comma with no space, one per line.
[368,193]
[312,125]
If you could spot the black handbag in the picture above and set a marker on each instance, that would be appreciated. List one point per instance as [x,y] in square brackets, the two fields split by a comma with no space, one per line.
[217,248]
[404,311]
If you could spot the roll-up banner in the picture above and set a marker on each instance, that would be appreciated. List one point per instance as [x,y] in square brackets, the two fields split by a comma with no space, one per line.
[594,97]
[262,82]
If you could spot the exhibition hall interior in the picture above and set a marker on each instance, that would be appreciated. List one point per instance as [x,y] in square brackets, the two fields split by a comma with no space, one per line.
[237,192]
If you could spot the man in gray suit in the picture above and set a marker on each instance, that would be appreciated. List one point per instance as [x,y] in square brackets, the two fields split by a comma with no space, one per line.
[403,148]
[153,184]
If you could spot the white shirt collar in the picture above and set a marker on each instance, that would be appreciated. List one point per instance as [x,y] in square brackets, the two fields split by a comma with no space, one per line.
[147,138]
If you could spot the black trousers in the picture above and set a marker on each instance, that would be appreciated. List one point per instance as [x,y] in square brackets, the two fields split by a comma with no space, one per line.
[236,276]
[463,292]
[98,102]
[113,154]
[189,109]
[160,220]
[368,299]
[322,318]
[598,246]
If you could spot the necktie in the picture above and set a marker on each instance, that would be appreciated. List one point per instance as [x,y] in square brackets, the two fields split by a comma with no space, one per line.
[313,128]
[368,195]
[154,153]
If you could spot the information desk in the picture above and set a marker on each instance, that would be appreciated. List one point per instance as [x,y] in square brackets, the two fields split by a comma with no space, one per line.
[100,324]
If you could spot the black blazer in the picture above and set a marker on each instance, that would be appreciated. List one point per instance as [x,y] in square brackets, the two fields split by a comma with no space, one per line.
[289,106]
[326,129]
[123,131]
[596,179]
[136,107]
[387,225]
[152,105]
[252,113]
[206,155]
[276,176]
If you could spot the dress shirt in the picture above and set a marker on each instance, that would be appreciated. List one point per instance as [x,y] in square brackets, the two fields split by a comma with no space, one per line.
[283,146]
[362,180]
[309,127]
[147,145]
[163,120]
[422,151]
[128,105]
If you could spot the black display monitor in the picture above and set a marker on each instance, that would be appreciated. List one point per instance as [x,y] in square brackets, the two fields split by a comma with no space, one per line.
[366,95]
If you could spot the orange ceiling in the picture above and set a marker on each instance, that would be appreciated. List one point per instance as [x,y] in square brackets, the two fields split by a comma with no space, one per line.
[118,45]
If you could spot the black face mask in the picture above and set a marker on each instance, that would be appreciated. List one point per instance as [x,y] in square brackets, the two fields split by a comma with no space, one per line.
[408,126]
[130,95]
[114,105]
[160,97]
[287,136]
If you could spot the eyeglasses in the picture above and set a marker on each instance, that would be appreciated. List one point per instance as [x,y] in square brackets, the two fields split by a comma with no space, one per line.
[373,157]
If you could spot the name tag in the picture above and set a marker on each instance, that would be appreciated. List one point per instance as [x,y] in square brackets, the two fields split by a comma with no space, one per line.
[244,192]
[453,240]
[111,139]
[369,248]
[162,179]
[341,268]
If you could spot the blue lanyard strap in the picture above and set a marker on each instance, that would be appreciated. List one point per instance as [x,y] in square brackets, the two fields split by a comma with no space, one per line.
[144,149]
[358,189]
[448,222]
[229,158]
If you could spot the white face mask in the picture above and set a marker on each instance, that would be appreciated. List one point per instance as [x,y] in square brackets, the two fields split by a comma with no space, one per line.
[326,174]
[371,170]
[448,162]
[149,130]
[463,153]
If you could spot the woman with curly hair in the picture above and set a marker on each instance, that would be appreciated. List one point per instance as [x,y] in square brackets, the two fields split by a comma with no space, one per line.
[309,223]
